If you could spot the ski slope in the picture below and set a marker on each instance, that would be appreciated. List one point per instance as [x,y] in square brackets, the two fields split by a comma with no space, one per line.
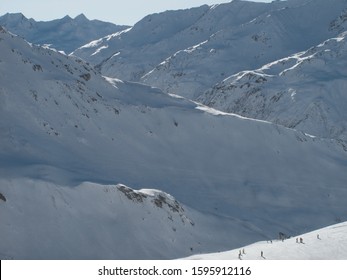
[329,243]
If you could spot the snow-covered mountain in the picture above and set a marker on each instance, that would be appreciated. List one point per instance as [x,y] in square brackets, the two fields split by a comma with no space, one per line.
[188,51]
[91,221]
[132,53]
[242,57]
[329,243]
[200,54]
[305,91]
[64,34]
[284,28]
[160,36]
[62,124]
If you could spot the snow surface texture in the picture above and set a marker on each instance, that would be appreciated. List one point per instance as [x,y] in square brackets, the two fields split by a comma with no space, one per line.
[322,244]
[199,58]
[69,135]
[64,34]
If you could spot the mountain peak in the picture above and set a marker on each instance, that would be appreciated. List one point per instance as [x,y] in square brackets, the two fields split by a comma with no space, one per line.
[81,17]
[67,18]
[66,33]
[15,17]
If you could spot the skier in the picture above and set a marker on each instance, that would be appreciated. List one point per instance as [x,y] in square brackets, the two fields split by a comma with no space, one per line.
[262,254]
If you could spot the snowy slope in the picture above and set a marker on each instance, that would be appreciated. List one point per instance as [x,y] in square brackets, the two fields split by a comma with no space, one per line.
[62,124]
[305,91]
[328,243]
[64,34]
[285,28]
[188,51]
[93,221]
[158,36]
[129,55]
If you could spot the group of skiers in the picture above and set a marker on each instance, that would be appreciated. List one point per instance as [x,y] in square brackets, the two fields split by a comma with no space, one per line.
[298,240]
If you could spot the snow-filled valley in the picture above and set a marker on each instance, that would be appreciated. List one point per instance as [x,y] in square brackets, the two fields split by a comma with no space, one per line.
[95,167]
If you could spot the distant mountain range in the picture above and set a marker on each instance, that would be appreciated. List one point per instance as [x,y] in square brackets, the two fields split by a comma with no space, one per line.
[64,34]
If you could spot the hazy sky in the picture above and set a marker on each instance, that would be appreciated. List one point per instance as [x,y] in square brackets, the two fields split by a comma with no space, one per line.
[119,12]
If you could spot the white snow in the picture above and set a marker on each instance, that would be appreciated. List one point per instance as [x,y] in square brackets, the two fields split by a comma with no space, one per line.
[328,243]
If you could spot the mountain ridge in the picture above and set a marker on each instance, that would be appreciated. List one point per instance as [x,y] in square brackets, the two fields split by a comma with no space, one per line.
[270,36]
[65,34]
[271,31]
[312,82]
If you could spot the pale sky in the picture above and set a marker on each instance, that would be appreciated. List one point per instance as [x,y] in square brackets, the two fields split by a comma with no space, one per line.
[117,11]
